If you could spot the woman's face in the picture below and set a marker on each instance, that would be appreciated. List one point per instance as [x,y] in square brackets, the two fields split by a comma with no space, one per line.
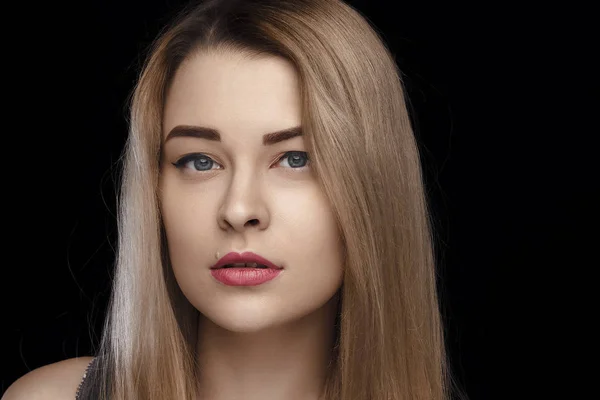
[237,191]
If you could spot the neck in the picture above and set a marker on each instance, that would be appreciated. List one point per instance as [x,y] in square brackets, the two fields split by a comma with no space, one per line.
[289,361]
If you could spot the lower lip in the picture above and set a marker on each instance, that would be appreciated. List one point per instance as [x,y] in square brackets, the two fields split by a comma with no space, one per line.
[244,276]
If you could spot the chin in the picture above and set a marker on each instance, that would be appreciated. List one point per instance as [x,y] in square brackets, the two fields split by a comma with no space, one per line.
[242,320]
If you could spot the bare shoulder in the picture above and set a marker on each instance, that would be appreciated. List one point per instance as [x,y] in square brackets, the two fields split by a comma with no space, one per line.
[58,381]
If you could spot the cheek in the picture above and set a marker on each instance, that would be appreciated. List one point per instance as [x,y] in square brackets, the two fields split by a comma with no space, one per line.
[308,230]
[187,218]
[310,242]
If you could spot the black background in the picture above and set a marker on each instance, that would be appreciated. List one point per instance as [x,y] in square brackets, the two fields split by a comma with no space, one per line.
[504,102]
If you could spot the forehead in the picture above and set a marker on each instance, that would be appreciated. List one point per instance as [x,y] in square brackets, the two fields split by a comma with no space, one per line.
[232,93]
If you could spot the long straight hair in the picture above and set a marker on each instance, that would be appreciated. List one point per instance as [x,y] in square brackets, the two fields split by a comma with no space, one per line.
[389,337]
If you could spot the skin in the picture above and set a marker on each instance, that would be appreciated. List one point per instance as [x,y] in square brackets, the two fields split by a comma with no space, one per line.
[55,381]
[270,341]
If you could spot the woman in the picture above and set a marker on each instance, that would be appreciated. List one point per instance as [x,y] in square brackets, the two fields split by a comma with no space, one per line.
[274,235]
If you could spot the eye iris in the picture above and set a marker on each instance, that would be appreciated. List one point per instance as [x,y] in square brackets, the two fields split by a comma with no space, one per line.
[297,160]
[203,163]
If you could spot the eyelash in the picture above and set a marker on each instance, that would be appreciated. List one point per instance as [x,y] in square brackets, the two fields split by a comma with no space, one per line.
[181,163]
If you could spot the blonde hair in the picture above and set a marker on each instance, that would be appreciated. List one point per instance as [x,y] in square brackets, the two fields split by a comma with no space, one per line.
[389,342]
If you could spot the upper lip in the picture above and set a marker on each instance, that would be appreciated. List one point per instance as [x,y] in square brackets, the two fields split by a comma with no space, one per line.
[245,257]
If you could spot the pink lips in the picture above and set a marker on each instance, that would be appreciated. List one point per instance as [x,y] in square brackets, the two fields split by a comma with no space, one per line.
[244,276]
[246,257]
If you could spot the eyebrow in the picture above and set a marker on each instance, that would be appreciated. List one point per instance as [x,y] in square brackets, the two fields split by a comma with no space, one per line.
[201,132]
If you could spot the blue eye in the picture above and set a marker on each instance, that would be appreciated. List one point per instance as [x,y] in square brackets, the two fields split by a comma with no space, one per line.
[294,159]
[199,162]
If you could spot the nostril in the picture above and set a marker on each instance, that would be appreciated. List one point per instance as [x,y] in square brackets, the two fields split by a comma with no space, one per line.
[253,222]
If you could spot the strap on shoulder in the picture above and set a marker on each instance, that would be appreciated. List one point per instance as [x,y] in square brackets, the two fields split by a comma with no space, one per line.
[78,394]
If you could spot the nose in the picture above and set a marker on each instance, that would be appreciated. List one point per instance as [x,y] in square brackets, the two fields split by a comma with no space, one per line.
[243,206]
